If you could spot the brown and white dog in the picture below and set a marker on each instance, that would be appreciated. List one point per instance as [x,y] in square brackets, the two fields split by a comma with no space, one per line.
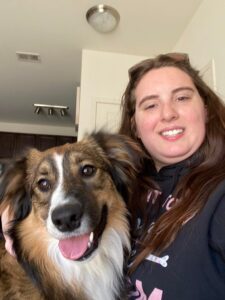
[70,227]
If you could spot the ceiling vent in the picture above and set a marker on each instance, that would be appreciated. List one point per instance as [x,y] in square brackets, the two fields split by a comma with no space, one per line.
[28,56]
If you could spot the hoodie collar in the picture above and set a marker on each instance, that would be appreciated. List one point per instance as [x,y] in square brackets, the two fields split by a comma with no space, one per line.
[168,177]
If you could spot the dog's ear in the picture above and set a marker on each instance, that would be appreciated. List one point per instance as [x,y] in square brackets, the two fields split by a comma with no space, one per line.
[13,191]
[125,158]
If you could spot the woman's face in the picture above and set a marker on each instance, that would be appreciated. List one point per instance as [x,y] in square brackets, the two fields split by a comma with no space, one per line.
[170,115]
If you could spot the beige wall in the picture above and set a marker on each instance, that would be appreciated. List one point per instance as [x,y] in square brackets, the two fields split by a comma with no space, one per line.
[37,129]
[204,39]
[104,76]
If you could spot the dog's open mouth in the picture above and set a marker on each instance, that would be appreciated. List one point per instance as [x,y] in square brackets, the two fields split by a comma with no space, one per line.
[81,247]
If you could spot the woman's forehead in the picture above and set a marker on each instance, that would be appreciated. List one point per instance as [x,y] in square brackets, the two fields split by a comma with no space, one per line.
[156,79]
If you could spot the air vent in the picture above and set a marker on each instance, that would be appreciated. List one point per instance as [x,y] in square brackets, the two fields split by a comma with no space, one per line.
[28,56]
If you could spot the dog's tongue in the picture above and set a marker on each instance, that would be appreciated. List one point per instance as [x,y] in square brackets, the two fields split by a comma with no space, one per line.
[73,248]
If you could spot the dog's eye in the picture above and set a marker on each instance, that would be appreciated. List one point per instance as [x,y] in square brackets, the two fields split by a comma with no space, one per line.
[88,171]
[44,185]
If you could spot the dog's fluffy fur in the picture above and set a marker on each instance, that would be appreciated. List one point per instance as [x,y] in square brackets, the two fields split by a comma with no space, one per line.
[68,191]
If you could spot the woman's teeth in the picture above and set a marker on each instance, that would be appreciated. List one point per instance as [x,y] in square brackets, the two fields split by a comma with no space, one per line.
[172,132]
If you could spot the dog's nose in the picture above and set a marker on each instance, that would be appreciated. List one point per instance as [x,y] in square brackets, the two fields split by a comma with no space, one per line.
[67,217]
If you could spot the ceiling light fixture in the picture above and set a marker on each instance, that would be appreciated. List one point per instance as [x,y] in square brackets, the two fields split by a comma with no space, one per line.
[37,110]
[62,112]
[50,108]
[103,18]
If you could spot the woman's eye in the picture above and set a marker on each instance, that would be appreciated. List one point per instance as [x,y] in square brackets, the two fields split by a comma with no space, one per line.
[88,170]
[44,185]
[150,106]
[182,98]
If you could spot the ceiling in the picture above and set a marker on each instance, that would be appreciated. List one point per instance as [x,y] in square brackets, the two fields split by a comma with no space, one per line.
[57,30]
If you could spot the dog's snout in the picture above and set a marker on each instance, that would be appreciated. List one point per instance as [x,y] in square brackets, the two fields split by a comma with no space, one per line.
[67,217]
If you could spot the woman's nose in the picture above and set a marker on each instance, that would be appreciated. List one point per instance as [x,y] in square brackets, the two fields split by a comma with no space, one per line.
[169,112]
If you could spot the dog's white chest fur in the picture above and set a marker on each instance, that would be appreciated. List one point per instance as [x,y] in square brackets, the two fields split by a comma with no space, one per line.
[100,275]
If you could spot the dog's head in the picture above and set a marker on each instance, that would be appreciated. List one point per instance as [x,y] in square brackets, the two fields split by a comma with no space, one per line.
[74,191]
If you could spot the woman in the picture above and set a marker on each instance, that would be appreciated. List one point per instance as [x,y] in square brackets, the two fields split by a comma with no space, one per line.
[178,230]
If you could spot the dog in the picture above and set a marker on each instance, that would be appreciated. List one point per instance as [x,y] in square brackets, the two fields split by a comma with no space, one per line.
[70,226]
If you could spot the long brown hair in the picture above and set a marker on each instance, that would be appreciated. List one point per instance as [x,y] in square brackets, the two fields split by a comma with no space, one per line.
[194,188]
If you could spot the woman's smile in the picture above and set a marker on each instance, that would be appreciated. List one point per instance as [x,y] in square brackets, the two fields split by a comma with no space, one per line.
[172,134]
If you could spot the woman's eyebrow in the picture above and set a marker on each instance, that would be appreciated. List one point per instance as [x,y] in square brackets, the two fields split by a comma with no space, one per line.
[183,88]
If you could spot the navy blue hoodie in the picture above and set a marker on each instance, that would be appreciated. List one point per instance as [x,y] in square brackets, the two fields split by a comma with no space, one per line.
[193,266]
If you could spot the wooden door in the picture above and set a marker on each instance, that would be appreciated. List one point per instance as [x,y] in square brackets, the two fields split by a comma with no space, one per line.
[13,144]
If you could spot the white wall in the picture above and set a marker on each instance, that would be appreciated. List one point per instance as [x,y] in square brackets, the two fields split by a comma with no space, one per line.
[37,129]
[104,75]
[204,39]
